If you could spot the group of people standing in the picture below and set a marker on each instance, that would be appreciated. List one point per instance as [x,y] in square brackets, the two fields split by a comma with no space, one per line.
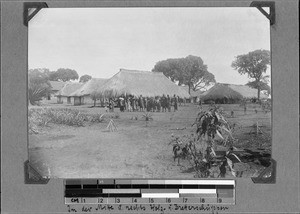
[151,104]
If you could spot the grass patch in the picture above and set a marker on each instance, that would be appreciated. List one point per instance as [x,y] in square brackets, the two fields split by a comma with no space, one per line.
[40,117]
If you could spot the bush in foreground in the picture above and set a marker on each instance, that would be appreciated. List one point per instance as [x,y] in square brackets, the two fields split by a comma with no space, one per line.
[40,117]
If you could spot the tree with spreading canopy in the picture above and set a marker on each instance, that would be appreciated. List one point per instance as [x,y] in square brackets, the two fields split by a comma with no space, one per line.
[38,85]
[254,64]
[190,71]
[64,75]
[85,78]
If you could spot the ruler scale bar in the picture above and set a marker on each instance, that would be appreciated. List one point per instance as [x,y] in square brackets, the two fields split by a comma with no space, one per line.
[212,182]
[106,186]
[140,186]
[159,191]
[112,181]
[123,186]
[121,190]
[205,191]
[122,181]
[122,195]
[142,191]
[160,195]
[193,195]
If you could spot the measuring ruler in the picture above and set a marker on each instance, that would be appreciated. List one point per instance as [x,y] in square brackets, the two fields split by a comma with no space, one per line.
[141,191]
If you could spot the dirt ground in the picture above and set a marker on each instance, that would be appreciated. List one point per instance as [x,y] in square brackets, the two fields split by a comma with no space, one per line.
[136,150]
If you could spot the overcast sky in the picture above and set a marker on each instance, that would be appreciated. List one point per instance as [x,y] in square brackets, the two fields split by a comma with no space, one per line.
[100,41]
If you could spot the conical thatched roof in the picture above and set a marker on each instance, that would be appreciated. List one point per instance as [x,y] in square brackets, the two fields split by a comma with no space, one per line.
[244,90]
[68,89]
[89,87]
[145,83]
[230,91]
[220,91]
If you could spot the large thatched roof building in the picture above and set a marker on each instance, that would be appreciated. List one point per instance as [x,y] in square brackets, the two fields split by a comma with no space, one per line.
[136,83]
[89,87]
[228,93]
[84,95]
[65,93]
[56,85]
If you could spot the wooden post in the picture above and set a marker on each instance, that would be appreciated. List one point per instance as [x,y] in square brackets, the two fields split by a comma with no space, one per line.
[111,126]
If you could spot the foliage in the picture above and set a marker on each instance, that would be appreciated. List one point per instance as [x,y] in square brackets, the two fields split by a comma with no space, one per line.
[39,72]
[190,71]
[198,148]
[259,138]
[147,116]
[41,117]
[266,105]
[207,79]
[212,125]
[71,117]
[188,148]
[36,92]
[85,78]
[37,118]
[64,74]
[38,85]
[96,118]
[254,64]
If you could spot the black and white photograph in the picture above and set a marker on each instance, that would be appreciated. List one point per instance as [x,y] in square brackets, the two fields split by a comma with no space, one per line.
[157,92]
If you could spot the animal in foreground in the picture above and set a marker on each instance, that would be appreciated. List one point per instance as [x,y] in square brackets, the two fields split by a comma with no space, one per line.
[180,152]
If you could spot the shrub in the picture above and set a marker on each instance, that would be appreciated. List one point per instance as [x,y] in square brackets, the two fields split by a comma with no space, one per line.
[40,117]
[71,117]
[95,118]
[147,116]
[198,148]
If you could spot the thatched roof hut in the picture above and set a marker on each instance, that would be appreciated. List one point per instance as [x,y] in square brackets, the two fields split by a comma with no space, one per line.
[89,87]
[220,91]
[136,83]
[244,90]
[230,91]
[68,89]
[56,85]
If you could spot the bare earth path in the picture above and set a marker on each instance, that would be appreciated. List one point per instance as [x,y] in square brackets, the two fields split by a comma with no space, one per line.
[135,150]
